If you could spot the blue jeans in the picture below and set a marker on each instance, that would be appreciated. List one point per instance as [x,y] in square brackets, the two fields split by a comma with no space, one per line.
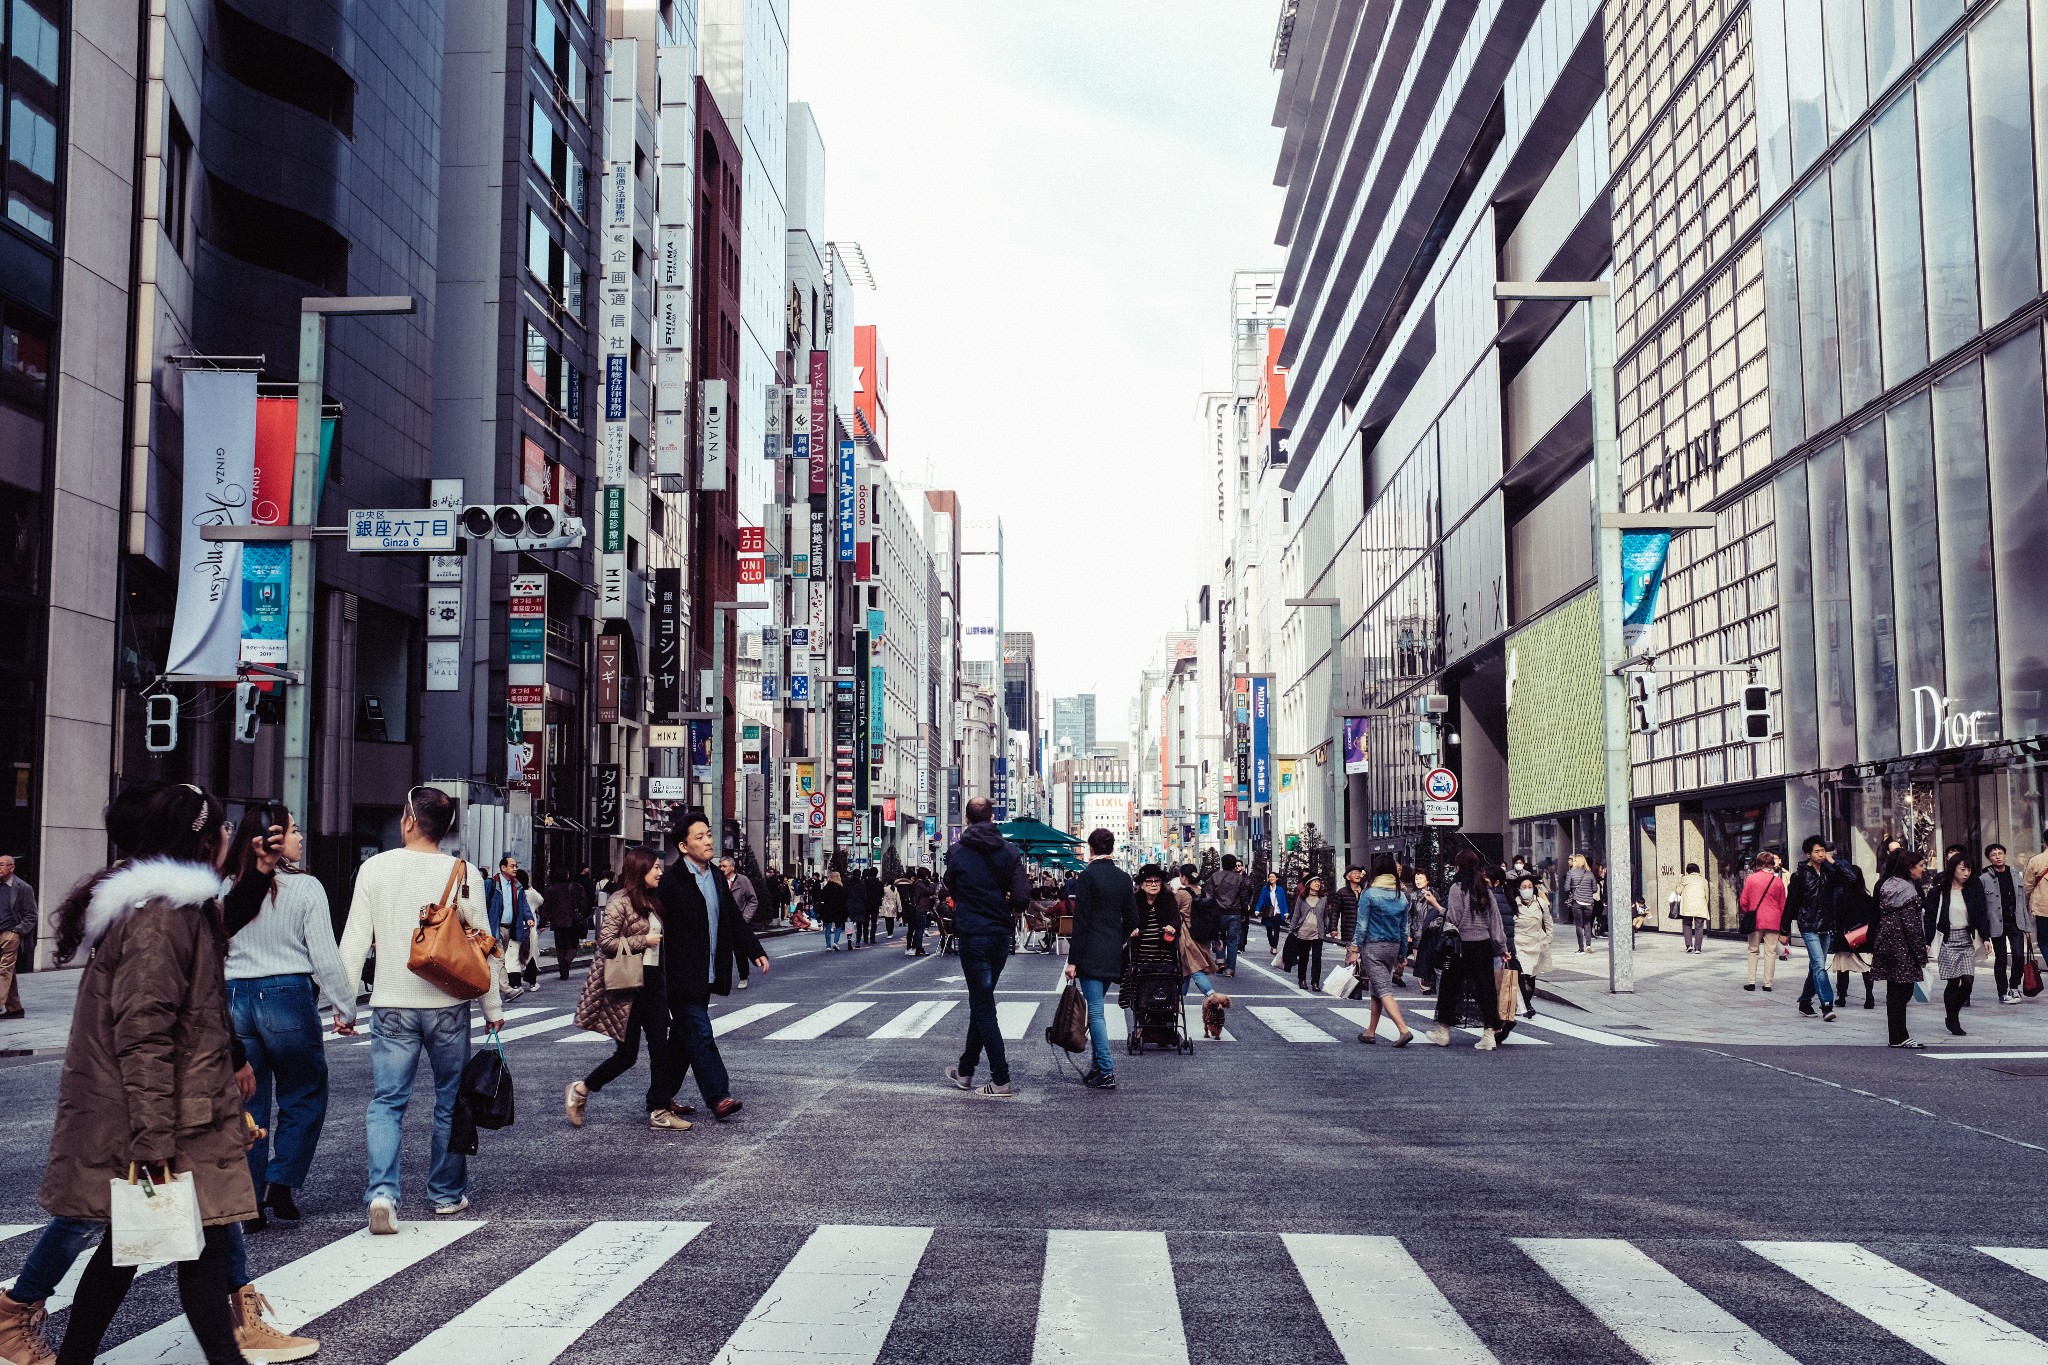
[833,933]
[1093,992]
[982,958]
[689,1045]
[1233,930]
[397,1038]
[1817,980]
[279,1025]
[1200,981]
[64,1240]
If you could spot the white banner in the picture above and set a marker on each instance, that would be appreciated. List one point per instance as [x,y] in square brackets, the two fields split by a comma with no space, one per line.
[220,477]
[711,417]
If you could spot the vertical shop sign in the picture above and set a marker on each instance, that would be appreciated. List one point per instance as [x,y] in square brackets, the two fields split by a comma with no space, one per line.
[666,665]
[821,433]
[848,530]
[711,415]
[1261,750]
[220,469]
[604,814]
[608,666]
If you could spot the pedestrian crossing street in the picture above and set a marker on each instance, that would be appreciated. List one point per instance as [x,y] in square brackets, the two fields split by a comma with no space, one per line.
[1116,1297]
[1304,1022]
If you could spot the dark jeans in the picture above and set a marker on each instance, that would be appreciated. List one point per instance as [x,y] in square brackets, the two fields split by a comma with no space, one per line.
[643,1019]
[688,1045]
[2009,948]
[915,921]
[1897,995]
[567,941]
[1472,971]
[1583,918]
[279,1024]
[1233,938]
[203,1290]
[981,958]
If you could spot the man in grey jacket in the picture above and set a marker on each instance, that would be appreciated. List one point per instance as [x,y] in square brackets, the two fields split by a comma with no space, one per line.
[17,931]
[1231,889]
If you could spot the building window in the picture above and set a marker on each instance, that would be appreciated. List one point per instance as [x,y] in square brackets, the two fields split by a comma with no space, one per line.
[552,267]
[556,162]
[285,69]
[29,72]
[558,56]
[274,237]
[177,182]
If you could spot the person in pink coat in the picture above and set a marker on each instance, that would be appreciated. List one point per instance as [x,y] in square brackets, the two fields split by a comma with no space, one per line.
[1762,901]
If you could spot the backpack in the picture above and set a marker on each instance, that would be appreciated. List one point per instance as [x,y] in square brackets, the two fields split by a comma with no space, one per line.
[1205,918]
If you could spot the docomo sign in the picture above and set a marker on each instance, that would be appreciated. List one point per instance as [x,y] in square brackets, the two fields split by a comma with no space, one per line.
[1937,724]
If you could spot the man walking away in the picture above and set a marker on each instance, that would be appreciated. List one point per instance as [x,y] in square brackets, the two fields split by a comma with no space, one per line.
[1105,917]
[1810,900]
[1205,919]
[703,933]
[565,911]
[17,932]
[987,881]
[1231,889]
[743,896]
[2008,924]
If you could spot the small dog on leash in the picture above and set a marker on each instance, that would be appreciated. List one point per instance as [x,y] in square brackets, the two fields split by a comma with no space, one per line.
[1212,1013]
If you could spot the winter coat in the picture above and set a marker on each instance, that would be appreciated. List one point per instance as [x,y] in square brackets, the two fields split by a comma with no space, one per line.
[1533,935]
[1105,915]
[1152,952]
[149,1072]
[832,904]
[1940,905]
[892,902]
[987,879]
[1194,957]
[1763,894]
[1343,919]
[688,968]
[1898,947]
[1692,896]
[623,929]
[1232,889]
[566,908]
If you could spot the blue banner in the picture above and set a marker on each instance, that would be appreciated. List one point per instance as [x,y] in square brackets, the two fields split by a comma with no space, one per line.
[846,527]
[768,686]
[266,582]
[1262,762]
[1642,577]
[615,388]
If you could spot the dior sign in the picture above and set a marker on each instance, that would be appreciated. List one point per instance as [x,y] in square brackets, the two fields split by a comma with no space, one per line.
[1938,723]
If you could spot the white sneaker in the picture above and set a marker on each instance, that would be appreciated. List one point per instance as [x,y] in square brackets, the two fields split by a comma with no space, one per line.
[383,1216]
[450,1210]
[1486,1041]
[743,983]
[1440,1035]
[2012,997]
[534,989]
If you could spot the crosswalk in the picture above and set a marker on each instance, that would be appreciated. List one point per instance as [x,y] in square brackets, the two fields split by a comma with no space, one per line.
[1117,1296]
[1304,1022]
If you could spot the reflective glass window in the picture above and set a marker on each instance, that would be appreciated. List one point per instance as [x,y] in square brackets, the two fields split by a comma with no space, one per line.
[2014,416]
[1916,549]
[1834,615]
[1781,325]
[1947,204]
[1932,18]
[1773,122]
[1856,276]
[1895,195]
[1870,588]
[1888,41]
[1806,81]
[1797,714]
[1848,95]
[2002,125]
[1820,366]
[1963,497]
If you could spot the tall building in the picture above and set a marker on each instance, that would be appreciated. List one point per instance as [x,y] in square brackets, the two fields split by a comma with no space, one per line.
[1020,693]
[1073,726]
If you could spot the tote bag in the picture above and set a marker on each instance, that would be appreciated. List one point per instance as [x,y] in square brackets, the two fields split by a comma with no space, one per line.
[445,950]
[151,1221]
[1069,1027]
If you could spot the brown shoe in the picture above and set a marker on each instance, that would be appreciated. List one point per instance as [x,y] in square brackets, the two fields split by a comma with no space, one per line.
[573,1100]
[663,1120]
[258,1340]
[21,1333]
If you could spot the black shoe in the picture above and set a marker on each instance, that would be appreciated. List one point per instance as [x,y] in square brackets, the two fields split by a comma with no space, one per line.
[1827,1016]
[1806,1008]
[1955,1027]
[1750,987]
[255,1225]
[278,1200]
[1869,1003]
[1100,1080]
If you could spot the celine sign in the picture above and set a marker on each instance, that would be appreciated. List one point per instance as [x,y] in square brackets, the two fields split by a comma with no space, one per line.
[1939,724]
[1700,457]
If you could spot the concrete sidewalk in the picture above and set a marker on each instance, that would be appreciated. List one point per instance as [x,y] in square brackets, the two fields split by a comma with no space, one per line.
[46,997]
[1698,998]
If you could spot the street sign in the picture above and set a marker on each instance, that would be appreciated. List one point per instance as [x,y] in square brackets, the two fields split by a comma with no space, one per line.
[428,530]
[1440,784]
[668,789]
[1441,812]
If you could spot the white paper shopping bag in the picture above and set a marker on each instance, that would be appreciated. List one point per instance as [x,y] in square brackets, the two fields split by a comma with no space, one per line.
[154,1221]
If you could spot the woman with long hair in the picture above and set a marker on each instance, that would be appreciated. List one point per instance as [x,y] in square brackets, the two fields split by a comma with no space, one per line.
[274,966]
[1898,945]
[1956,915]
[631,926]
[1379,943]
[1305,934]
[832,909]
[1473,921]
[1426,921]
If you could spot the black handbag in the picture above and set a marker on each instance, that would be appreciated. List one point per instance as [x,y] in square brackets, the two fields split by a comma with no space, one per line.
[482,1100]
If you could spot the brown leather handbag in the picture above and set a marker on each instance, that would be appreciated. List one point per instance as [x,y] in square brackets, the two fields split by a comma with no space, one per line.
[445,950]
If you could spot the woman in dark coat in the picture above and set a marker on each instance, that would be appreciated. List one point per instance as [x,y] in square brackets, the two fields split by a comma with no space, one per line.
[1898,943]
[832,909]
[1957,916]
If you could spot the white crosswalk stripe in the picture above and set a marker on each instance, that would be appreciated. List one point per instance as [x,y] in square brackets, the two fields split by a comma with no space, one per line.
[1108,1299]
[916,1021]
[1290,1026]
[820,1022]
[1919,1312]
[553,1024]
[834,1301]
[1663,1319]
[1013,1017]
[1584,1034]
[8,1230]
[306,1288]
[1512,1040]
[722,1024]
[2033,1260]
[1405,1320]
[535,1316]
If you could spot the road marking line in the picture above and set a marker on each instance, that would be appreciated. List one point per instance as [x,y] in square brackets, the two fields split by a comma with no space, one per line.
[304,1289]
[539,1313]
[820,1022]
[835,1300]
[1108,1299]
[1584,1034]
[522,1012]
[1943,1055]
[1013,1017]
[8,1230]
[2033,1260]
[560,1021]
[1405,1320]
[722,1024]
[1361,1017]
[916,1021]
[1510,1040]
[1290,1026]
[1922,1314]
[1659,1316]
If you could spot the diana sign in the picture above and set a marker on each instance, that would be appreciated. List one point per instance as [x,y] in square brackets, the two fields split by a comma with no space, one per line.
[1938,723]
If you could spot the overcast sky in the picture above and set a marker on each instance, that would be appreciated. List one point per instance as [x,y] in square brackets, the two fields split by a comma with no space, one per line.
[1053,196]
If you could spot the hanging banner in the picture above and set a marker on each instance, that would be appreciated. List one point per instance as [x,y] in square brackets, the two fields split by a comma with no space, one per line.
[1642,577]
[614,513]
[608,669]
[1262,779]
[665,666]
[1355,731]
[604,814]
[711,416]
[771,438]
[821,434]
[846,524]
[700,747]
[862,684]
[220,475]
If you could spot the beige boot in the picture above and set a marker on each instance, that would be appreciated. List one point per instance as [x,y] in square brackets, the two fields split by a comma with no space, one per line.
[21,1333]
[260,1341]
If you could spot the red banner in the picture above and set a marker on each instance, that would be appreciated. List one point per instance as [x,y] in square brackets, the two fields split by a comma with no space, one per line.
[863,560]
[888,810]
[753,569]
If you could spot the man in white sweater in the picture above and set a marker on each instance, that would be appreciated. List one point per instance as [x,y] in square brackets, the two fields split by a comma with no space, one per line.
[409,1014]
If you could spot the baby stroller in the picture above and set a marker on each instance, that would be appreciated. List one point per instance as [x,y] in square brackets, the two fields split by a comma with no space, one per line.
[1152,993]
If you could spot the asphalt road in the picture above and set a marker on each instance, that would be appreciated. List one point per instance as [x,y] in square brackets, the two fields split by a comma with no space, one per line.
[1259,1200]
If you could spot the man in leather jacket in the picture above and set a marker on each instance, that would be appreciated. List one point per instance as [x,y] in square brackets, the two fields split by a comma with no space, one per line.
[1814,899]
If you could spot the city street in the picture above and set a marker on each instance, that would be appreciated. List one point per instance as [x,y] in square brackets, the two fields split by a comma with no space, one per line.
[1588,1193]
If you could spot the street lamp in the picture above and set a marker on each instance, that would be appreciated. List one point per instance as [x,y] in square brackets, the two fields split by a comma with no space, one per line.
[719,611]
[1336,706]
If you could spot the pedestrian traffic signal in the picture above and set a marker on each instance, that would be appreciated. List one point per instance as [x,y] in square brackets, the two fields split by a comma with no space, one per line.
[1643,702]
[522,526]
[160,722]
[1756,713]
[246,719]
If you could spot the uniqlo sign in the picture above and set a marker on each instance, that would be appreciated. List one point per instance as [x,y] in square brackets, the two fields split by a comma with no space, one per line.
[753,540]
[753,569]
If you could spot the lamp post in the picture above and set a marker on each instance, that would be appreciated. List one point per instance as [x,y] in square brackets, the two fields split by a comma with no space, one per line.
[1336,708]
[298,703]
[719,611]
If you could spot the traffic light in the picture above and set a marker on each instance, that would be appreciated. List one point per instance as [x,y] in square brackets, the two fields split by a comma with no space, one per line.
[160,722]
[246,719]
[1756,713]
[522,526]
[1643,702]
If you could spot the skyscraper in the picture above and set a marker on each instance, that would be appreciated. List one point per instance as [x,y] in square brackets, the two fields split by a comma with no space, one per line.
[1073,725]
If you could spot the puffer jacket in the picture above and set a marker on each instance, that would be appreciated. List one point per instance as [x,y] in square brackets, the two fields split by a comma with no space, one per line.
[623,929]
[987,880]
[149,1072]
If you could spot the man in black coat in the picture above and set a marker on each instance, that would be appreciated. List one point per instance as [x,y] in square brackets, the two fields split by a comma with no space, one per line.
[1105,918]
[986,878]
[698,948]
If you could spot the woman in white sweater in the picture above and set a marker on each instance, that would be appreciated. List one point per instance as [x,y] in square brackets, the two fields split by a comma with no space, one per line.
[409,1014]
